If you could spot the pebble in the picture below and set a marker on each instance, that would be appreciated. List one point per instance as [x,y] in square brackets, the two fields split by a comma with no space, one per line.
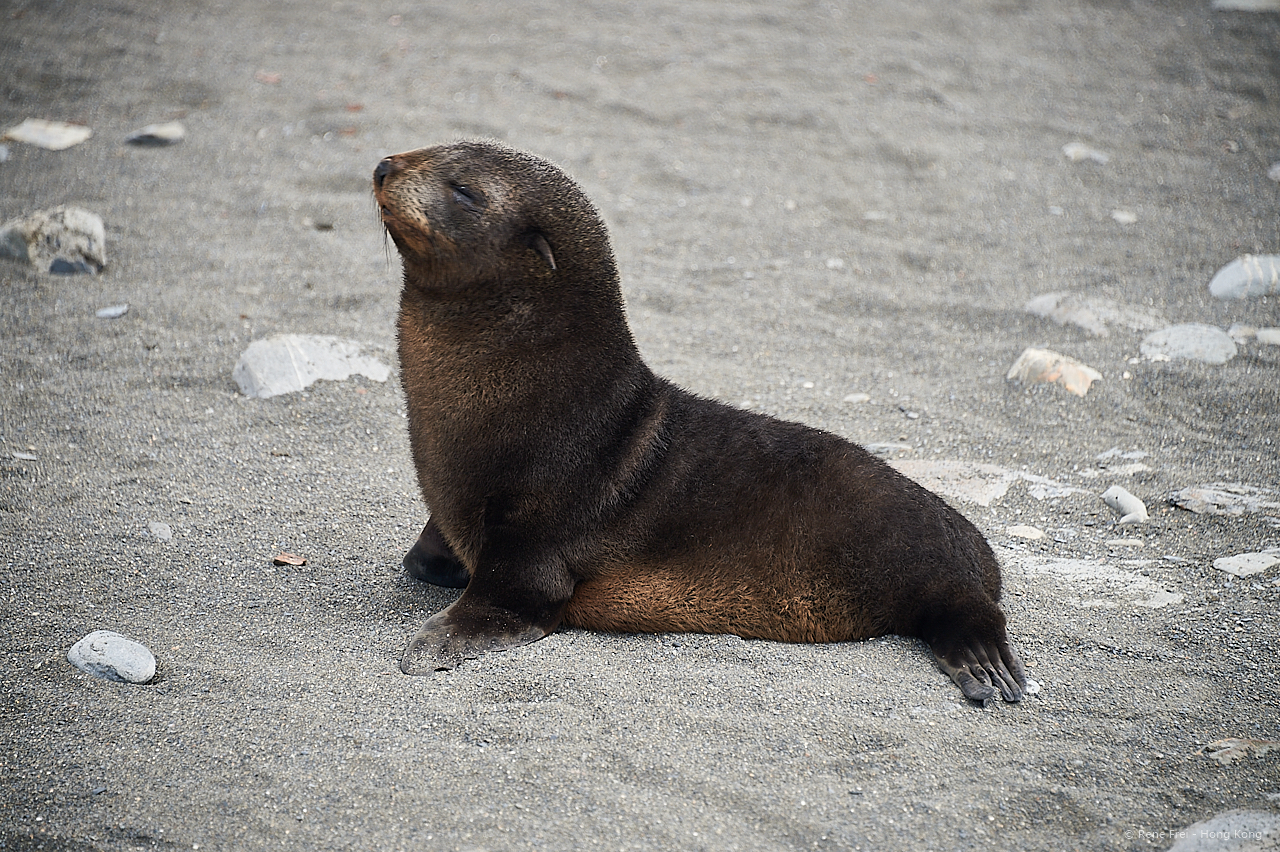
[1124,217]
[1274,172]
[858,397]
[1078,151]
[1192,342]
[1246,564]
[1269,336]
[1246,276]
[1092,313]
[113,312]
[1131,508]
[160,530]
[111,656]
[168,133]
[50,135]
[286,363]
[1027,532]
[1044,365]
[1231,831]
[62,240]
[1225,498]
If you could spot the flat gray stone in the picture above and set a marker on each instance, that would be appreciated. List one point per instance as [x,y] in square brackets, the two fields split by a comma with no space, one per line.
[111,656]
[286,363]
[1190,342]
[1233,831]
[1246,564]
[1093,313]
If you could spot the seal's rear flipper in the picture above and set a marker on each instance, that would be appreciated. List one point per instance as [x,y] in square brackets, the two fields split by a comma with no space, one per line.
[980,668]
[469,628]
[432,561]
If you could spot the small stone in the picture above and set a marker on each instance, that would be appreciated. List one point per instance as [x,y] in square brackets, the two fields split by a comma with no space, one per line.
[1125,542]
[113,312]
[287,363]
[1274,172]
[858,397]
[1269,336]
[285,558]
[1246,564]
[1078,151]
[50,135]
[160,530]
[1132,509]
[1027,532]
[1044,365]
[21,456]
[835,263]
[111,656]
[168,133]
[1124,217]
[1191,342]
[1246,276]
[63,240]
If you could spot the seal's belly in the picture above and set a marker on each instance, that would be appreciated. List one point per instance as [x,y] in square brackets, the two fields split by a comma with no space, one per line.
[670,600]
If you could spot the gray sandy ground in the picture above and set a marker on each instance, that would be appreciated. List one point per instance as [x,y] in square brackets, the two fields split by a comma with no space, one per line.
[807,200]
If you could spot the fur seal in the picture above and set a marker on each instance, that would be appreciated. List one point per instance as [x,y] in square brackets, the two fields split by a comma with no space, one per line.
[568,483]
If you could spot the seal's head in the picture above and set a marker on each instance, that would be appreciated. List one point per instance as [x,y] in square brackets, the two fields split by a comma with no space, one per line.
[476,215]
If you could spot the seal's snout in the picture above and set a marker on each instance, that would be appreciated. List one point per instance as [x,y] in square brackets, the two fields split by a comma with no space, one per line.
[384,169]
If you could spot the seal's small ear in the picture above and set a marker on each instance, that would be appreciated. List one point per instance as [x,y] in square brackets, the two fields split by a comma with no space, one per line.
[539,243]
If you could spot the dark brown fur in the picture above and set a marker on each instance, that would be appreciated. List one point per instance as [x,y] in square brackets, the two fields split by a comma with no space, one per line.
[573,485]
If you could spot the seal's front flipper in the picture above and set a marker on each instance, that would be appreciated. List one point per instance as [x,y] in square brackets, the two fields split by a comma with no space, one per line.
[431,560]
[473,626]
[981,668]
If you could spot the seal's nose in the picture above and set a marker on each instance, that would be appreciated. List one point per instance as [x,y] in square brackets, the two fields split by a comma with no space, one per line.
[383,169]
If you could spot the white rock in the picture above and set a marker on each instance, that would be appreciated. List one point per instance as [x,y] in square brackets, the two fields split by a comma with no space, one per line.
[1246,276]
[113,312]
[1274,172]
[1133,509]
[1045,365]
[1246,564]
[63,240]
[1078,151]
[286,363]
[51,135]
[168,133]
[111,656]
[1124,217]
[1025,531]
[1269,336]
[858,397]
[160,530]
[1192,342]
